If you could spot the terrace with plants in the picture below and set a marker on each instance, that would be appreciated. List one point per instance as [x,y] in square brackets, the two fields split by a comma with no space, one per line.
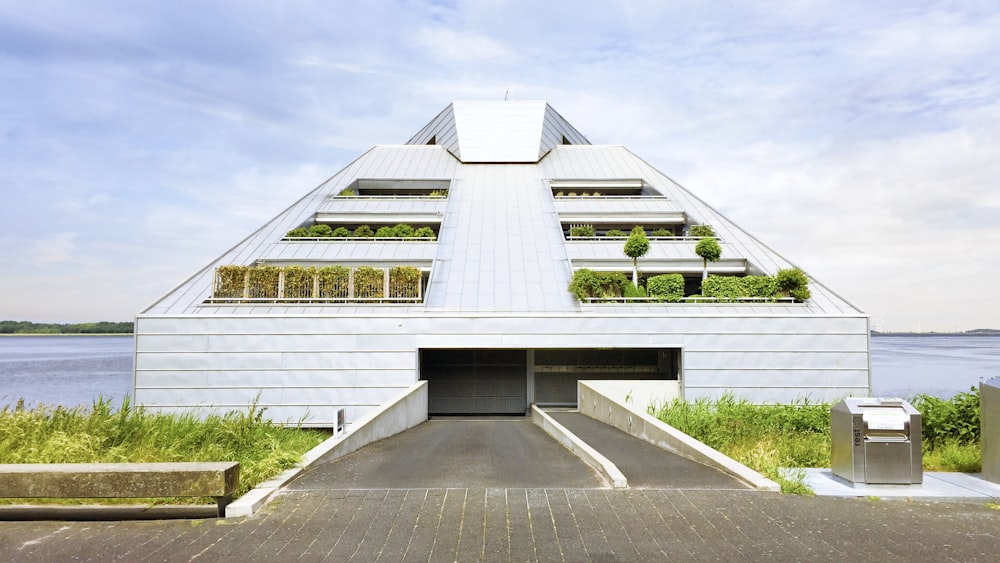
[262,283]
[324,232]
[673,278]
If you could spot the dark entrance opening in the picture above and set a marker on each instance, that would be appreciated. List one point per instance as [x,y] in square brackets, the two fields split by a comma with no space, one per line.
[557,371]
[475,382]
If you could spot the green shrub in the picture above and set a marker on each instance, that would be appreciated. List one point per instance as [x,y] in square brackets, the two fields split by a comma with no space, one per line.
[662,233]
[669,287]
[364,231]
[631,291]
[790,278]
[299,281]
[424,232]
[794,282]
[230,282]
[320,231]
[341,232]
[585,283]
[404,281]
[347,192]
[582,231]
[385,232]
[298,232]
[438,193]
[723,287]
[614,233]
[263,282]
[403,230]
[949,419]
[800,293]
[612,284]
[334,282]
[701,231]
[369,282]
[760,286]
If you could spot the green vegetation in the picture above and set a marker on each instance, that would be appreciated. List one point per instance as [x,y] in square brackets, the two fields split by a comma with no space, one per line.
[588,283]
[765,438]
[614,233]
[793,282]
[662,233]
[130,434]
[701,231]
[726,288]
[768,438]
[330,282]
[103,327]
[636,247]
[951,432]
[710,251]
[582,231]
[669,287]
[401,230]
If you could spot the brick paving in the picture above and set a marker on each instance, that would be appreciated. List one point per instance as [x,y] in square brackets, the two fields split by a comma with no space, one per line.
[512,494]
[513,524]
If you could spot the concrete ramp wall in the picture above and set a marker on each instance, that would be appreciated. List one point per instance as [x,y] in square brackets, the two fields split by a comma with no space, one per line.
[629,419]
[403,413]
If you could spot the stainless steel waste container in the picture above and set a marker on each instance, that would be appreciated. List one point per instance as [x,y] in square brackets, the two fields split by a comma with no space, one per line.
[876,440]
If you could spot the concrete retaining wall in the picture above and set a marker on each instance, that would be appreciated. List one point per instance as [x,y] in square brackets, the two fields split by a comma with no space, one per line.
[407,411]
[588,454]
[631,420]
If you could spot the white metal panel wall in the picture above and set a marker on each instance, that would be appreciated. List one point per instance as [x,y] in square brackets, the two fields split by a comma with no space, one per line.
[310,366]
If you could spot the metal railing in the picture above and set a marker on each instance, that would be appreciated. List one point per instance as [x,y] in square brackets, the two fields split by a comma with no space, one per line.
[695,300]
[358,239]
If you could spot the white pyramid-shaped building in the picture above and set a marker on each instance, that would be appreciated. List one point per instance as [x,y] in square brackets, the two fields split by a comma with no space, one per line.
[448,259]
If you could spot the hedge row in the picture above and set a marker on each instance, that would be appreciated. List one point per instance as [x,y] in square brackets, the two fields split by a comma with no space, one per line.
[401,230]
[329,282]
[590,231]
[790,282]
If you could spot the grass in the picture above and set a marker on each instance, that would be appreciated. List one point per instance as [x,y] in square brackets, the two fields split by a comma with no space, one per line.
[768,438]
[765,438]
[102,433]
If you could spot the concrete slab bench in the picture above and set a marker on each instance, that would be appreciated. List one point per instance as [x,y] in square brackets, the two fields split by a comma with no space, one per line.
[121,480]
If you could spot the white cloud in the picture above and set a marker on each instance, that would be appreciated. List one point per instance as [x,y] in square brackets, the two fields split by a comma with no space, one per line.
[463,46]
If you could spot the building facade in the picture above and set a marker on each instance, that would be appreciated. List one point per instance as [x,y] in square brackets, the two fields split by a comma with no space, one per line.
[449,258]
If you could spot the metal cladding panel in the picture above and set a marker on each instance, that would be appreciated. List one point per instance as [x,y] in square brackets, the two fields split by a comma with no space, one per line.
[508,131]
[772,378]
[486,264]
[394,162]
[276,378]
[412,206]
[341,250]
[616,207]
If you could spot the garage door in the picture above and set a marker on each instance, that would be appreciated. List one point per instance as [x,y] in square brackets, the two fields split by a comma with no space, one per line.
[477,382]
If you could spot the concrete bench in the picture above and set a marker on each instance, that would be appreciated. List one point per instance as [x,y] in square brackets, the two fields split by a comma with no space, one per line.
[121,480]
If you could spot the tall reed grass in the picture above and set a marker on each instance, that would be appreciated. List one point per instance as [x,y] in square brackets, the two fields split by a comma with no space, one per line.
[772,438]
[102,433]
[765,438]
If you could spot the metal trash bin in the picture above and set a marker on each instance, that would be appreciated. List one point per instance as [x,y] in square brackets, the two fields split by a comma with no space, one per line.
[876,440]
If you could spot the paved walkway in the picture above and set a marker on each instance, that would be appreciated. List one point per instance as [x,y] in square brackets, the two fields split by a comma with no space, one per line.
[533,524]
[642,463]
[333,514]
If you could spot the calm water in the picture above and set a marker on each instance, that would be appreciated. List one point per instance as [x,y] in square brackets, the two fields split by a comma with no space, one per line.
[73,370]
[65,370]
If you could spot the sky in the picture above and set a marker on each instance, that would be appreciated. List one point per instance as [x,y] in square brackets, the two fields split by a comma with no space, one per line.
[861,140]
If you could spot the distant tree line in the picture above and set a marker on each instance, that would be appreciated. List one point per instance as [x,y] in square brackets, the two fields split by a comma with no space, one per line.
[27,327]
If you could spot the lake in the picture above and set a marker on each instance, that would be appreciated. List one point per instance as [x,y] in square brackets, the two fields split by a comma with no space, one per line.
[73,370]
